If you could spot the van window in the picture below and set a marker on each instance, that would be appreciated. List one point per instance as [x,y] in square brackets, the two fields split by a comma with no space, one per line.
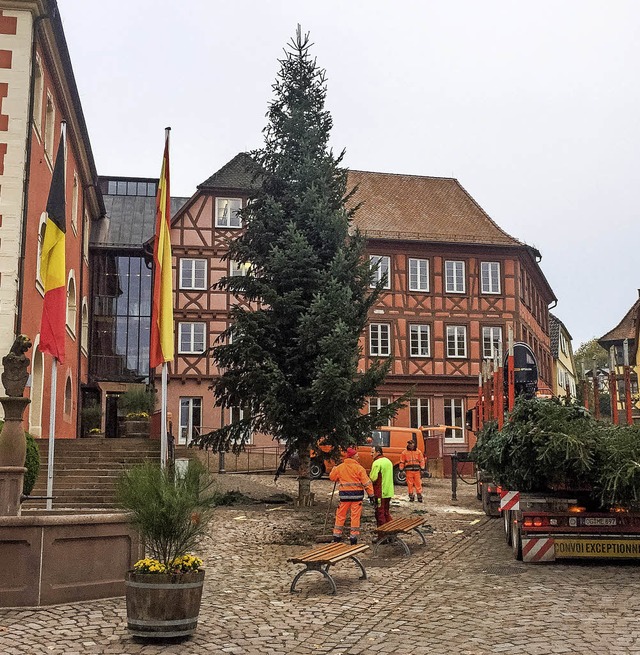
[381,438]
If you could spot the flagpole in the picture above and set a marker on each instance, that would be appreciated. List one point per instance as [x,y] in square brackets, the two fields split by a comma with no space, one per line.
[52,432]
[163,418]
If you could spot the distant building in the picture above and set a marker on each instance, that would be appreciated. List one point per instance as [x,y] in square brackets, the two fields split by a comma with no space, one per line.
[614,341]
[121,291]
[38,92]
[456,283]
[564,369]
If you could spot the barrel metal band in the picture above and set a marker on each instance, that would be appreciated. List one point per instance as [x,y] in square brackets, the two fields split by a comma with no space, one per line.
[149,622]
[188,585]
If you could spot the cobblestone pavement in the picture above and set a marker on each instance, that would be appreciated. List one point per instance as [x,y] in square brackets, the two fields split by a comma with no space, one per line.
[462,594]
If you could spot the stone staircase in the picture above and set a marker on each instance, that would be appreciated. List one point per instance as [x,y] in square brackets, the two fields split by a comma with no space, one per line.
[85,471]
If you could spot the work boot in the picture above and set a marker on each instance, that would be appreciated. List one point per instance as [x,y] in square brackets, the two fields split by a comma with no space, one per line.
[337,540]
[411,498]
[353,540]
[419,498]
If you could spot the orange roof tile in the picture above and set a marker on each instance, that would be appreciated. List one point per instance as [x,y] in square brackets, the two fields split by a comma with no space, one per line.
[425,208]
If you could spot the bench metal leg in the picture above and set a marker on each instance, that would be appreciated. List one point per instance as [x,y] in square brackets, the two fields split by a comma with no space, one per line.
[310,569]
[419,531]
[359,563]
[391,539]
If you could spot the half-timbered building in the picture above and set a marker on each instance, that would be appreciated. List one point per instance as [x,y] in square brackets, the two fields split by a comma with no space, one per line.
[455,283]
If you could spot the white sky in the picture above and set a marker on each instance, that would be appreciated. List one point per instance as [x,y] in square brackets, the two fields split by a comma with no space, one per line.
[534,107]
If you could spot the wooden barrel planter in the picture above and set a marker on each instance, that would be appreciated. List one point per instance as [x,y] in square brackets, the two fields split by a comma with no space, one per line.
[161,605]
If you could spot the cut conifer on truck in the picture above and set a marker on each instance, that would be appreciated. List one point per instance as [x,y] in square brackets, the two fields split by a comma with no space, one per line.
[569,485]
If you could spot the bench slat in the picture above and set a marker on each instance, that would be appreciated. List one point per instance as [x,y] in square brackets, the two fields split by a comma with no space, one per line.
[401,525]
[329,554]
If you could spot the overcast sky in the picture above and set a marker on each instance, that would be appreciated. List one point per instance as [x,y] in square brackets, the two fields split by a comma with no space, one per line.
[533,106]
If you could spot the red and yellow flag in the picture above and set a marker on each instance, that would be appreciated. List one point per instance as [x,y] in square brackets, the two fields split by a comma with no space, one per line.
[53,270]
[161,347]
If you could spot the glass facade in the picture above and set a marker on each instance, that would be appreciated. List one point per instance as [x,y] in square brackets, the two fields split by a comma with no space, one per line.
[121,316]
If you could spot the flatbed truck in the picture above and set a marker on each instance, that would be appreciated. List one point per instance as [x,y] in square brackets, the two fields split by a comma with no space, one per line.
[545,527]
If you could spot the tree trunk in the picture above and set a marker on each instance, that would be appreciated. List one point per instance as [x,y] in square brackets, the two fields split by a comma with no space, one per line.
[305,497]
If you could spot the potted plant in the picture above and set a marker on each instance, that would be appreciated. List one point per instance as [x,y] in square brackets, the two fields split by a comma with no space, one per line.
[138,403]
[172,512]
[91,415]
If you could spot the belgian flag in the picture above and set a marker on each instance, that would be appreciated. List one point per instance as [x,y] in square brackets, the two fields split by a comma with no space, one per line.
[53,264]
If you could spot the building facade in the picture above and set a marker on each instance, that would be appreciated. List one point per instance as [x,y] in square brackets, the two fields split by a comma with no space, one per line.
[614,343]
[564,375]
[456,283]
[38,92]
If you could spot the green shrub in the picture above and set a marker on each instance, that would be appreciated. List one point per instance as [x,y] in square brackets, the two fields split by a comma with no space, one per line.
[139,400]
[91,415]
[171,512]
[32,463]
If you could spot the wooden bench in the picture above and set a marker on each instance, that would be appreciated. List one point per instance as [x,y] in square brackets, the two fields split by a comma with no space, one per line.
[321,558]
[388,533]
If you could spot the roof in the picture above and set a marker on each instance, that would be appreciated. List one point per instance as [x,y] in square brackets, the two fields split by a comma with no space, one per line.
[237,174]
[130,220]
[555,325]
[422,208]
[626,329]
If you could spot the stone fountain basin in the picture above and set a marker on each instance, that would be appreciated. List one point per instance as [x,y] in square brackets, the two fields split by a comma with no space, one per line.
[62,556]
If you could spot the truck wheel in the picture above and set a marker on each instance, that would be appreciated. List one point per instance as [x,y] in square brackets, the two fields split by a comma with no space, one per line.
[479,487]
[316,469]
[486,502]
[508,526]
[517,543]
[399,477]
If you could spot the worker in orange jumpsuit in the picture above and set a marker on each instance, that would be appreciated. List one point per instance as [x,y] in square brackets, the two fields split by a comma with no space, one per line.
[412,463]
[352,481]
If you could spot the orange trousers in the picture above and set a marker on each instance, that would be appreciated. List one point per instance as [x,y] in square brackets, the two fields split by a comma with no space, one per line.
[355,507]
[414,482]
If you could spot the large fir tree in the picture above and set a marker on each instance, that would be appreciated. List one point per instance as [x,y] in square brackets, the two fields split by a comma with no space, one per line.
[289,360]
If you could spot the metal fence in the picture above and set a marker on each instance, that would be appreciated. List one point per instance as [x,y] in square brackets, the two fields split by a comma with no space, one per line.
[253,459]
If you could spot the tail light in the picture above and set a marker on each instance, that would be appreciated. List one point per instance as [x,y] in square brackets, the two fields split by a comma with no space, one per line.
[576,509]
[535,521]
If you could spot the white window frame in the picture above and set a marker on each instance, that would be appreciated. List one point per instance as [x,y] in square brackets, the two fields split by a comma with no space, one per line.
[49,129]
[42,228]
[75,196]
[459,433]
[420,340]
[455,331]
[380,265]
[454,276]
[67,404]
[84,330]
[186,439]
[236,269]
[38,94]
[418,274]
[249,433]
[377,402]
[72,304]
[490,273]
[418,407]
[231,221]
[492,338]
[188,273]
[379,333]
[191,328]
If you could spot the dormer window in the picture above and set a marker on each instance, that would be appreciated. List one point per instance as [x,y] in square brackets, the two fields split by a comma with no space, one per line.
[227,212]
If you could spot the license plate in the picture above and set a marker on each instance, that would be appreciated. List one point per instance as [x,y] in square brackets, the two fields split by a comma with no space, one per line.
[600,520]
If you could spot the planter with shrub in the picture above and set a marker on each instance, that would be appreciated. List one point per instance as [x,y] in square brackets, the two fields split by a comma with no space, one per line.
[171,513]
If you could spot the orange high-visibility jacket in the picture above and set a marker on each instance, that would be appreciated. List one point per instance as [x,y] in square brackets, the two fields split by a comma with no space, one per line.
[411,460]
[352,480]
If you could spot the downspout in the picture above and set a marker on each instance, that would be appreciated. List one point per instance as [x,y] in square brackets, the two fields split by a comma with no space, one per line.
[27,177]
[79,332]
